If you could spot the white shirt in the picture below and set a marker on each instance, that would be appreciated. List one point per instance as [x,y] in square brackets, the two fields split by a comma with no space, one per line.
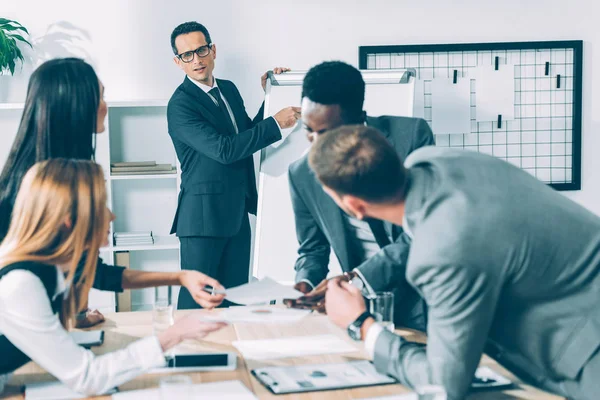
[27,320]
[206,89]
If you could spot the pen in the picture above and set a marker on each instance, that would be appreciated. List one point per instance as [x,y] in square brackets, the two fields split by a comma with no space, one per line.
[211,290]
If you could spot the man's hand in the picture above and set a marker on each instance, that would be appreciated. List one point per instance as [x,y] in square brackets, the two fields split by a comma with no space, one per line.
[276,71]
[287,117]
[343,302]
[92,318]
[303,287]
[195,281]
[315,299]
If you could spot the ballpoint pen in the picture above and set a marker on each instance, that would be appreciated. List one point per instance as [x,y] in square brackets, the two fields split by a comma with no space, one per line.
[211,290]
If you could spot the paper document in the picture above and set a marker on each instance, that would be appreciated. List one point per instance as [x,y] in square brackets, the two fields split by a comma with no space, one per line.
[451,106]
[225,390]
[258,314]
[298,346]
[317,377]
[495,92]
[54,390]
[260,292]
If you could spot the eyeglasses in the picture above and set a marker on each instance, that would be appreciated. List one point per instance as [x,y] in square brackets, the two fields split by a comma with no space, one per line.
[201,51]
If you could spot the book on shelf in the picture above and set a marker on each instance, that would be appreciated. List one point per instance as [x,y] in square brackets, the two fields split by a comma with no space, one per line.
[153,168]
[133,234]
[171,171]
[122,242]
[133,164]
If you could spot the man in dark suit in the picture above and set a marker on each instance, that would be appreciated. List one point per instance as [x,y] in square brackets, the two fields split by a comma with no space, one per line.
[506,264]
[333,95]
[214,140]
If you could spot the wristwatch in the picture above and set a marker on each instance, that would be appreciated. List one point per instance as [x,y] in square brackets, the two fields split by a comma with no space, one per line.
[354,328]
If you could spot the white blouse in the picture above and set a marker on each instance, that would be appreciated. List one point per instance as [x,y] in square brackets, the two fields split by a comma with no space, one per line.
[27,320]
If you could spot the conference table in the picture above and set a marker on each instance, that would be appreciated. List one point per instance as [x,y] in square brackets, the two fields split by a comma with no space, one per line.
[125,327]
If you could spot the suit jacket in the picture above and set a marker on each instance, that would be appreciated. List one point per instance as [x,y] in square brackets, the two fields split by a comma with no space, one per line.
[320,222]
[504,262]
[217,171]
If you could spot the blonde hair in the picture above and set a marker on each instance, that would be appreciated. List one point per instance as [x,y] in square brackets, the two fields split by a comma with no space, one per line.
[60,214]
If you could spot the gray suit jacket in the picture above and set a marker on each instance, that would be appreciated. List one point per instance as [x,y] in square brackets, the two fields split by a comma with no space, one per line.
[320,225]
[503,261]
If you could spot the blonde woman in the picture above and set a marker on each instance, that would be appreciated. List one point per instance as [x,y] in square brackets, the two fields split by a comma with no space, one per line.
[60,213]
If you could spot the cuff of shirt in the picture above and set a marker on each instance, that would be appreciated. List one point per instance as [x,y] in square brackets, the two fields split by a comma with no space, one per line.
[371,338]
[308,282]
[368,290]
[149,353]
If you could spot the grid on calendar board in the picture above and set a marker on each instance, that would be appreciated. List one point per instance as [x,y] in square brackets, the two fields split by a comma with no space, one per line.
[544,139]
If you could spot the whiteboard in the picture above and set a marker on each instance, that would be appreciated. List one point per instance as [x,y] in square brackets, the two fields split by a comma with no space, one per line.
[275,246]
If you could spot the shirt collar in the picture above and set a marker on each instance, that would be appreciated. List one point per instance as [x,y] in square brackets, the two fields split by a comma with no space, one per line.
[205,88]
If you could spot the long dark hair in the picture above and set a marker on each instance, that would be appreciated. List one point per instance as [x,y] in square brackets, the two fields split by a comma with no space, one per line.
[59,120]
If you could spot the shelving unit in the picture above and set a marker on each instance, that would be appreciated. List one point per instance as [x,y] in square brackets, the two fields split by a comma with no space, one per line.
[135,131]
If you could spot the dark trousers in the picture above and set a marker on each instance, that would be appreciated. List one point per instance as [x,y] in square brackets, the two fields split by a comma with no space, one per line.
[225,259]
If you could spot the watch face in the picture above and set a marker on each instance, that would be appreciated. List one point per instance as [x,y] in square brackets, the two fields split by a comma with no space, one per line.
[354,331]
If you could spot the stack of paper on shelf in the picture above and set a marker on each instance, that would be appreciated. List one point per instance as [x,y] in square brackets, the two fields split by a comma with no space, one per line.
[133,238]
[141,168]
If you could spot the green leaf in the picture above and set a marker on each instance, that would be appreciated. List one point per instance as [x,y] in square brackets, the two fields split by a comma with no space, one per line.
[10,28]
[11,67]
[19,37]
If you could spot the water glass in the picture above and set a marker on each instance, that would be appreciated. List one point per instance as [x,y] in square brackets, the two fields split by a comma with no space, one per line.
[176,387]
[431,392]
[162,312]
[382,308]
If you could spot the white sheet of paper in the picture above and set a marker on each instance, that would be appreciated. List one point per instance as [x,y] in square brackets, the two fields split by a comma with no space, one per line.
[258,314]
[298,346]
[260,292]
[451,106]
[419,106]
[287,96]
[54,390]
[225,390]
[495,92]
[388,99]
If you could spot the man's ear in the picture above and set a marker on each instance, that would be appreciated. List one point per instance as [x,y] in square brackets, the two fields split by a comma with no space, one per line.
[214,51]
[356,206]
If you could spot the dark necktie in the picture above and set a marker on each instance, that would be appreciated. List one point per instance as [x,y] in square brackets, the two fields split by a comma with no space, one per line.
[216,93]
[379,232]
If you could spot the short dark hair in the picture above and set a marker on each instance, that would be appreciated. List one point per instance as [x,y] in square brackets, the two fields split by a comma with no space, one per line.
[188,27]
[358,160]
[335,82]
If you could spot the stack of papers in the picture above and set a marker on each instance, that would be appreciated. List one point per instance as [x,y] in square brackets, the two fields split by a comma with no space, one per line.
[259,314]
[133,238]
[298,346]
[54,390]
[261,292]
[226,390]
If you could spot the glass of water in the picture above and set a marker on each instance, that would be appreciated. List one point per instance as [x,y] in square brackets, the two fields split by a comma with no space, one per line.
[431,392]
[176,387]
[382,308]
[162,312]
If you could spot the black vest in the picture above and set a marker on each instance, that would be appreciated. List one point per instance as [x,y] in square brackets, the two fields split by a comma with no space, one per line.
[13,358]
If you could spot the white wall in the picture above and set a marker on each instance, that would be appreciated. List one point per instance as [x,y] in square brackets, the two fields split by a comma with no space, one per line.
[128,41]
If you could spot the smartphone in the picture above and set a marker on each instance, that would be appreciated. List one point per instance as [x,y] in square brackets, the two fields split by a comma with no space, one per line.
[88,339]
[200,362]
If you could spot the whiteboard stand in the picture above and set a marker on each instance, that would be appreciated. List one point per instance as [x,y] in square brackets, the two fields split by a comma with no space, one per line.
[388,92]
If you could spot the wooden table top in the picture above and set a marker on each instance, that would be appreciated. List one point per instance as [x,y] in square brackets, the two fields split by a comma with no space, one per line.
[125,327]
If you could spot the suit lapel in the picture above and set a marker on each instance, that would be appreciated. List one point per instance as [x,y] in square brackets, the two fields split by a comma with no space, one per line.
[207,107]
[234,102]
[334,224]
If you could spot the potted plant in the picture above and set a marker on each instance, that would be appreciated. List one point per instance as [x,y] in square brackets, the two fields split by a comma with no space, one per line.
[11,32]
